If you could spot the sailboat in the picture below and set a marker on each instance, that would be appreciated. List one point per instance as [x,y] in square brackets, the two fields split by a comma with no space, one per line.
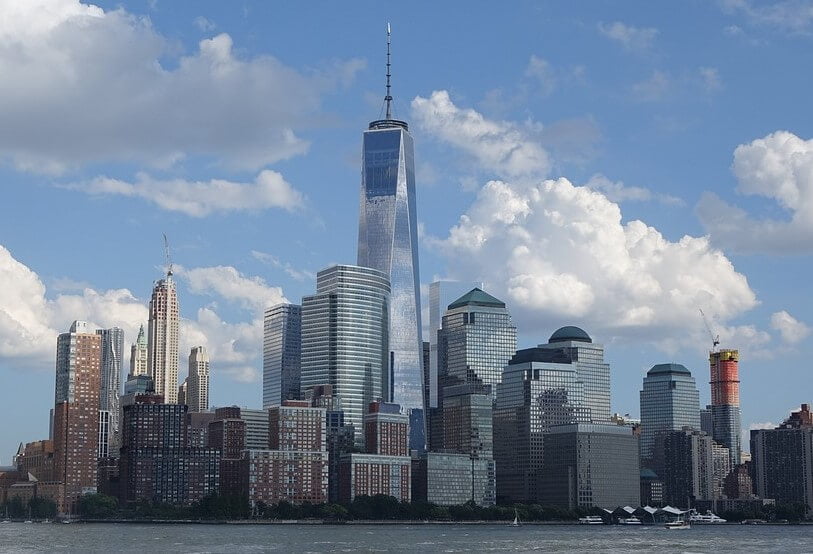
[516,522]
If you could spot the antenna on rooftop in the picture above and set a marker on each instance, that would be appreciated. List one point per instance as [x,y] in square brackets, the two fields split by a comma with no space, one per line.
[388,97]
[166,256]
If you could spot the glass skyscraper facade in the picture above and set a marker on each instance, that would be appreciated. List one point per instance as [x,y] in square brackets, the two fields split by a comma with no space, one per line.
[534,395]
[282,349]
[670,401]
[574,345]
[345,338]
[388,242]
[112,347]
[476,341]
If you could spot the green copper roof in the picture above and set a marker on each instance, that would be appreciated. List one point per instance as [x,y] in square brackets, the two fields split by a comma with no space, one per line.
[668,368]
[569,333]
[476,297]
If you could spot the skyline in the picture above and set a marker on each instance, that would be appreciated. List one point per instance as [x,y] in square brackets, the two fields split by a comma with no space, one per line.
[233,205]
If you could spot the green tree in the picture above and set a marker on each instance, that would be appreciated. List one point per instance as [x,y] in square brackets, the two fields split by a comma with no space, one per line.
[97,506]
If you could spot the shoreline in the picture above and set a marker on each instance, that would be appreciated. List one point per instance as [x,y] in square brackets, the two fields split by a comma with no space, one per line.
[387,522]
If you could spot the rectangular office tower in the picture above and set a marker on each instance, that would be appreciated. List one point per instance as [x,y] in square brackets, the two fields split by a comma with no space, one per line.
[388,241]
[197,383]
[345,338]
[282,349]
[162,338]
[76,410]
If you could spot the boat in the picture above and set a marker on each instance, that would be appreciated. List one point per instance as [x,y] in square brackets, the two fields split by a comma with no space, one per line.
[28,521]
[678,524]
[632,520]
[516,522]
[706,518]
[591,520]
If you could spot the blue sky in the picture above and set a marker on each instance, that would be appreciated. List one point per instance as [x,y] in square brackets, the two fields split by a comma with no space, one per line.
[611,165]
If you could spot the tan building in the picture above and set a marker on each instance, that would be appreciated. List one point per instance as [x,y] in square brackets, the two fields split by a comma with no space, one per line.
[162,338]
[37,458]
[76,410]
[197,383]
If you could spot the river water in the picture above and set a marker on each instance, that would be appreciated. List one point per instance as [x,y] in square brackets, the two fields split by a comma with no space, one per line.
[20,537]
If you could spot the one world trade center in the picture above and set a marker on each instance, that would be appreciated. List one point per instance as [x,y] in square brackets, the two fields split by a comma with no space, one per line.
[388,241]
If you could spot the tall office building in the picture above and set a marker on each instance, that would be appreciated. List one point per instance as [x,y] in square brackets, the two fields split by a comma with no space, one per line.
[670,401]
[388,241]
[345,339]
[441,294]
[76,410]
[197,389]
[689,467]
[112,349]
[535,394]
[282,349]
[476,341]
[575,346]
[138,355]
[162,338]
[725,402]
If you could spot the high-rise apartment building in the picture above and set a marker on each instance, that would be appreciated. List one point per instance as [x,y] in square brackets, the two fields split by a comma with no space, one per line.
[162,338]
[282,350]
[197,392]
[340,435]
[386,430]
[388,242]
[345,338]
[112,348]
[535,394]
[687,463]
[670,401]
[138,355]
[475,342]
[227,433]
[573,345]
[76,410]
[725,402]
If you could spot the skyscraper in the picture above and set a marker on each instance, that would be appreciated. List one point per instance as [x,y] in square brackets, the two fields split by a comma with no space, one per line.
[112,351]
[576,346]
[388,241]
[76,409]
[138,355]
[197,389]
[344,338]
[476,341]
[282,350]
[669,402]
[725,402]
[162,341]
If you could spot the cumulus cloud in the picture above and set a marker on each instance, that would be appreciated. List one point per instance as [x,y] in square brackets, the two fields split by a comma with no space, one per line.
[542,73]
[631,38]
[790,15]
[655,87]
[30,321]
[779,167]
[498,146]
[202,198]
[617,191]
[559,252]
[95,86]
[791,329]
[291,271]
[252,293]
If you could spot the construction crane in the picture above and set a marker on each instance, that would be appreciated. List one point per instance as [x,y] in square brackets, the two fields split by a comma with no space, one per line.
[715,340]
[166,256]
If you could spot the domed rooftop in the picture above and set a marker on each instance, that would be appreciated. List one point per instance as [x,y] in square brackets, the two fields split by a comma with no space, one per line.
[668,368]
[569,333]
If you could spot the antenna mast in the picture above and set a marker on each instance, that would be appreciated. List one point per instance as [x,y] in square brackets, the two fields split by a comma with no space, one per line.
[715,340]
[166,256]
[388,97]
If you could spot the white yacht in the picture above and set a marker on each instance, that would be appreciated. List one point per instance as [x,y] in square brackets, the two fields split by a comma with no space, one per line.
[591,520]
[708,517]
[632,520]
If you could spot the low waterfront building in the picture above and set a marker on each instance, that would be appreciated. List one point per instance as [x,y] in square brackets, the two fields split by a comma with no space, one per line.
[449,479]
[371,474]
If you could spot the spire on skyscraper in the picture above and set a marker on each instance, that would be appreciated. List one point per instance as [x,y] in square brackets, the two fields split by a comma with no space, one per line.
[388,97]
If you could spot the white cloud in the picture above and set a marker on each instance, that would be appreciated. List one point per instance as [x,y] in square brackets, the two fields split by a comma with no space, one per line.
[617,191]
[790,15]
[791,329]
[497,146]
[291,271]
[558,253]
[631,38]
[542,73]
[252,293]
[204,24]
[202,198]
[30,321]
[655,87]
[92,86]
[780,167]
[710,79]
